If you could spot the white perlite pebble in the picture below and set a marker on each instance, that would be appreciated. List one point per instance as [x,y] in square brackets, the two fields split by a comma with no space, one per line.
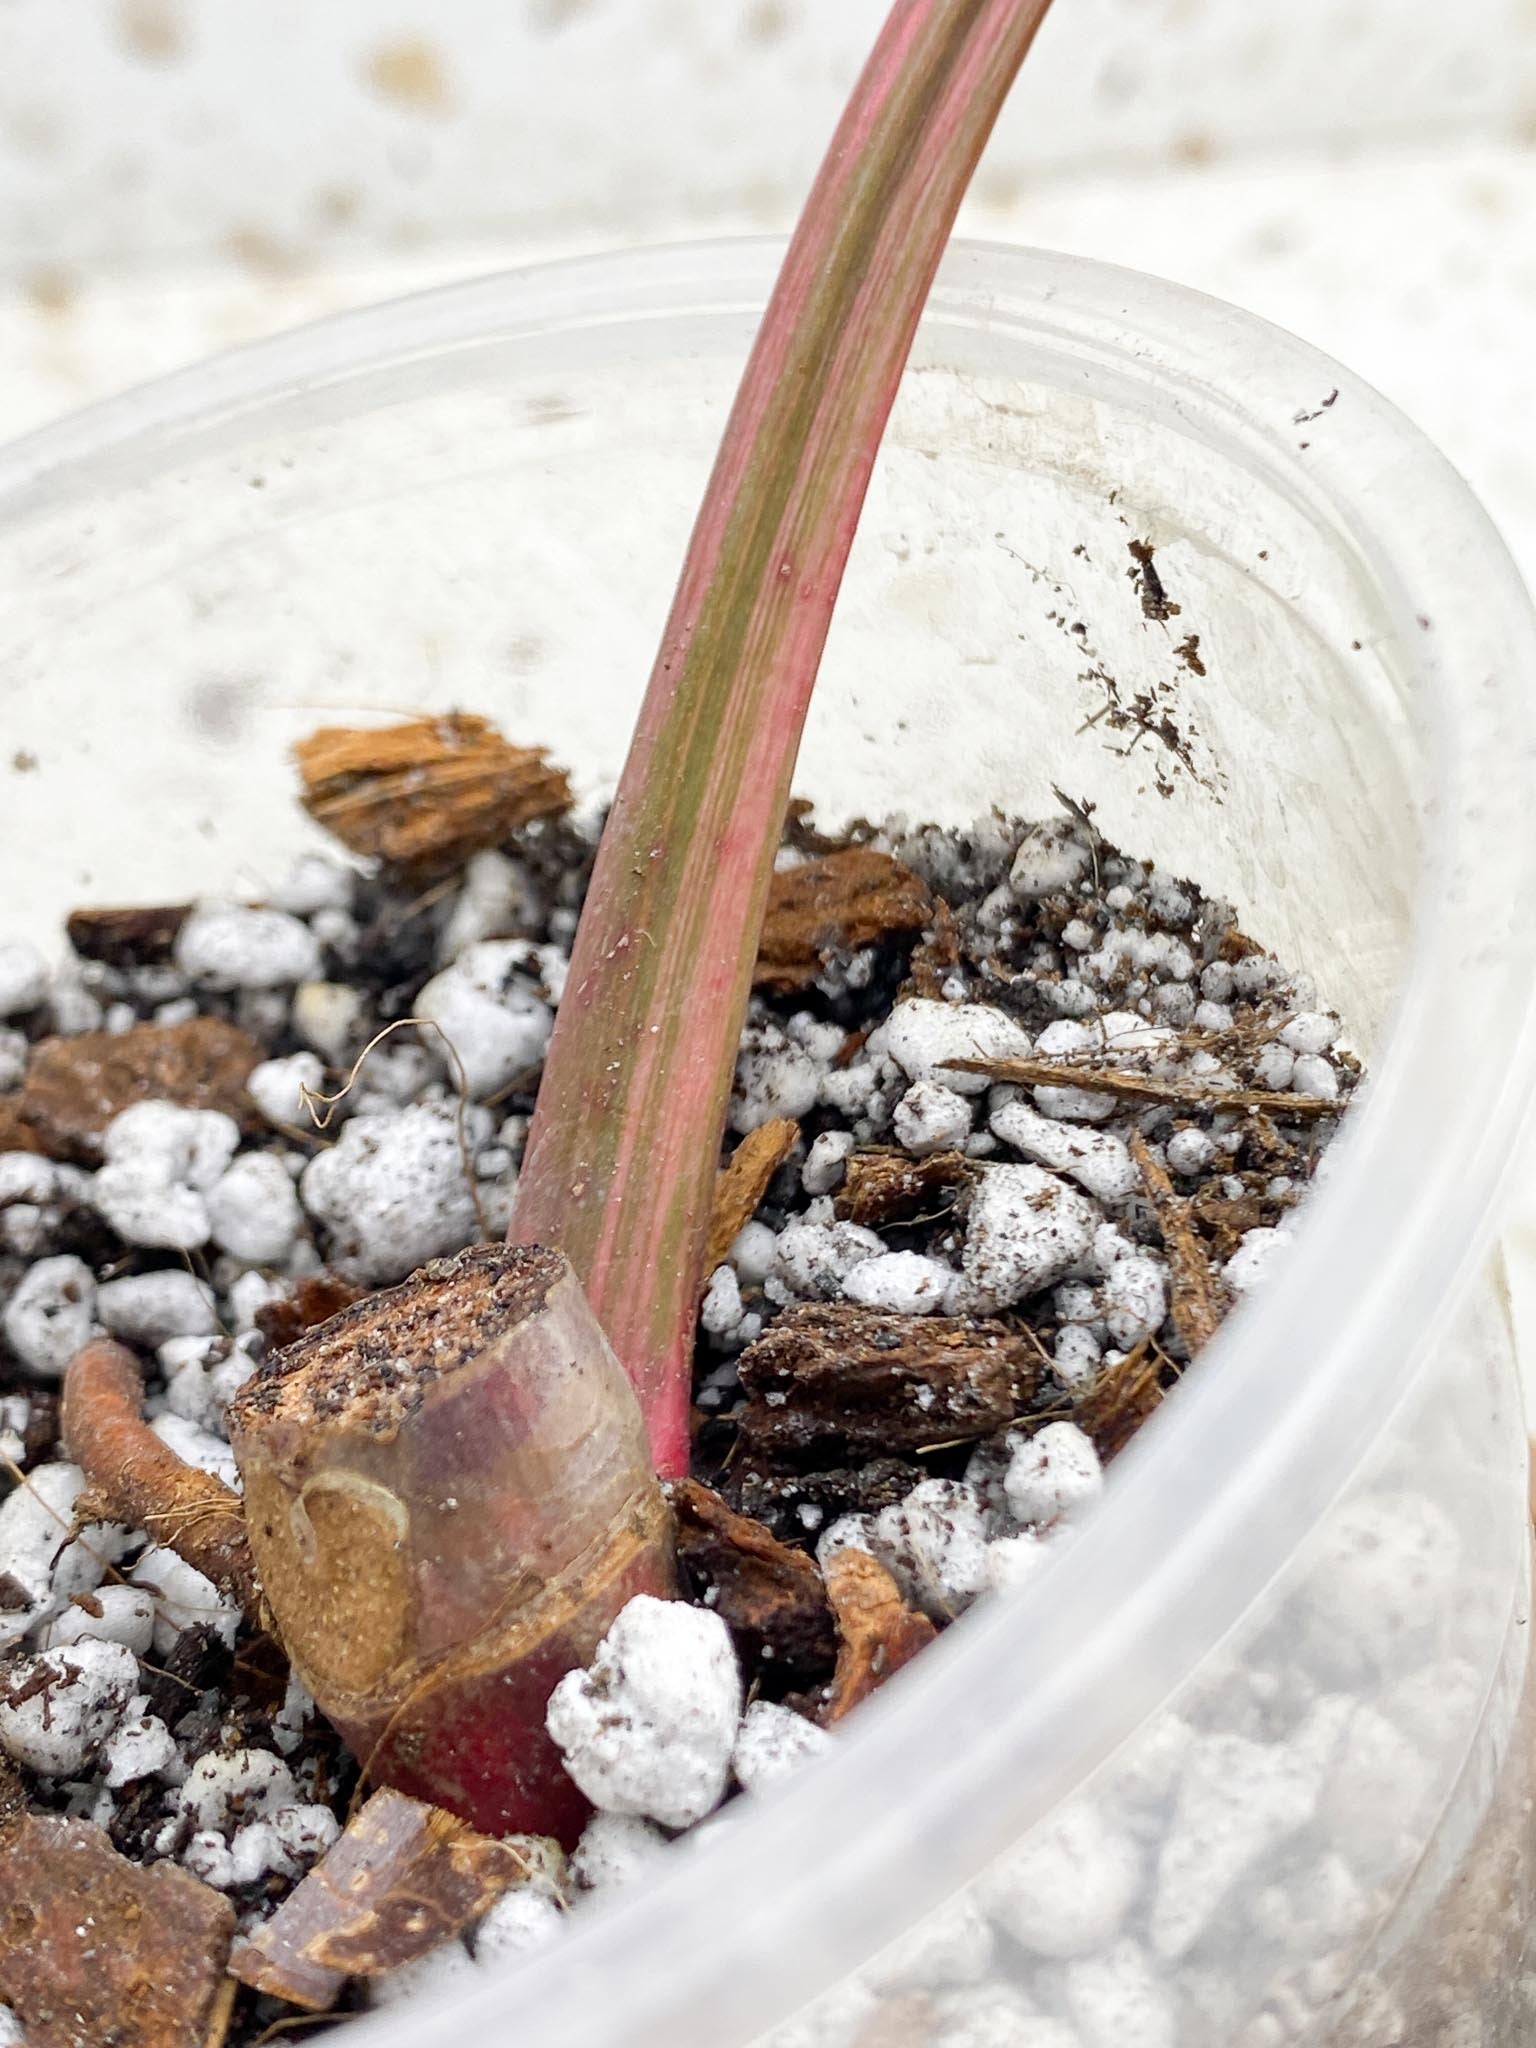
[649,1727]
[752,1253]
[1250,1265]
[773,1743]
[774,1077]
[814,1259]
[720,1312]
[922,1035]
[160,1161]
[952,1946]
[490,904]
[51,1314]
[521,1922]
[253,1210]
[1076,1357]
[1313,1075]
[935,1544]
[251,1293]
[1189,1151]
[331,1017]
[393,1193]
[126,1615]
[84,1692]
[152,1308]
[11,2034]
[1135,1297]
[490,1013]
[227,1788]
[235,946]
[14,1054]
[848,1532]
[36,1552]
[183,1598]
[824,1163]
[1237,1801]
[314,883]
[1094,1159]
[1053,1476]
[1025,1229]
[1273,1066]
[23,977]
[276,1087]
[1119,2001]
[141,1746]
[931,1118]
[907,1282]
[616,1849]
[1309,1031]
[1065,1890]
[1050,858]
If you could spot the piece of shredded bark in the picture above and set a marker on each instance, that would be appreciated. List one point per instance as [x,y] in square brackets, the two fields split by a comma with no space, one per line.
[403,1877]
[425,795]
[835,903]
[879,1632]
[829,1381]
[770,1597]
[743,1181]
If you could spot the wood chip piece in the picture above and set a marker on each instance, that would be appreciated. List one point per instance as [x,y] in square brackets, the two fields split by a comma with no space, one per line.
[830,1381]
[316,1298]
[1121,1399]
[138,937]
[425,795]
[770,1597]
[75,1086]
[743,1181]
[403,1877]
[1193,1299]
[878,1631]
[891,1187]
[835,903]
[100,1952]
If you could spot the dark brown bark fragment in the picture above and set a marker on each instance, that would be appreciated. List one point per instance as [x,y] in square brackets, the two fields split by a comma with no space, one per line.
[403,1877]
[137,937]
[75,1086]
[831,1381]
[770,1597]
[835,903]
[891,1187]
[100,1952]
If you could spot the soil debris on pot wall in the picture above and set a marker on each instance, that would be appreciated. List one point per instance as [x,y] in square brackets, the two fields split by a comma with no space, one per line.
[1017,1119]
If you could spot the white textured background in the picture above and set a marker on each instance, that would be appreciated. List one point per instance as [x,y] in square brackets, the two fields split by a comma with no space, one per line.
[177,175]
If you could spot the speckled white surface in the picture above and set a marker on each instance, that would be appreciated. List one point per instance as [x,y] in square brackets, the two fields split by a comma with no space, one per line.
[179,175]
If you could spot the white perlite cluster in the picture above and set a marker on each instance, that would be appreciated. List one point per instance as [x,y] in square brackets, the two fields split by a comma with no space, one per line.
[193,1220]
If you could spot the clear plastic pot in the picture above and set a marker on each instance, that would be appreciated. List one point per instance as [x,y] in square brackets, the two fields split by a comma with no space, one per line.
[1286,1661]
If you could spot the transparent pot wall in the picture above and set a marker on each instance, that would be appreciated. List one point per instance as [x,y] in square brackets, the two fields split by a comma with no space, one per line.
[1234,1768]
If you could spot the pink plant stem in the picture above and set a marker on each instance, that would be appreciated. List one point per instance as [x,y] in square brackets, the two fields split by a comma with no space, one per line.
[624,1145]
